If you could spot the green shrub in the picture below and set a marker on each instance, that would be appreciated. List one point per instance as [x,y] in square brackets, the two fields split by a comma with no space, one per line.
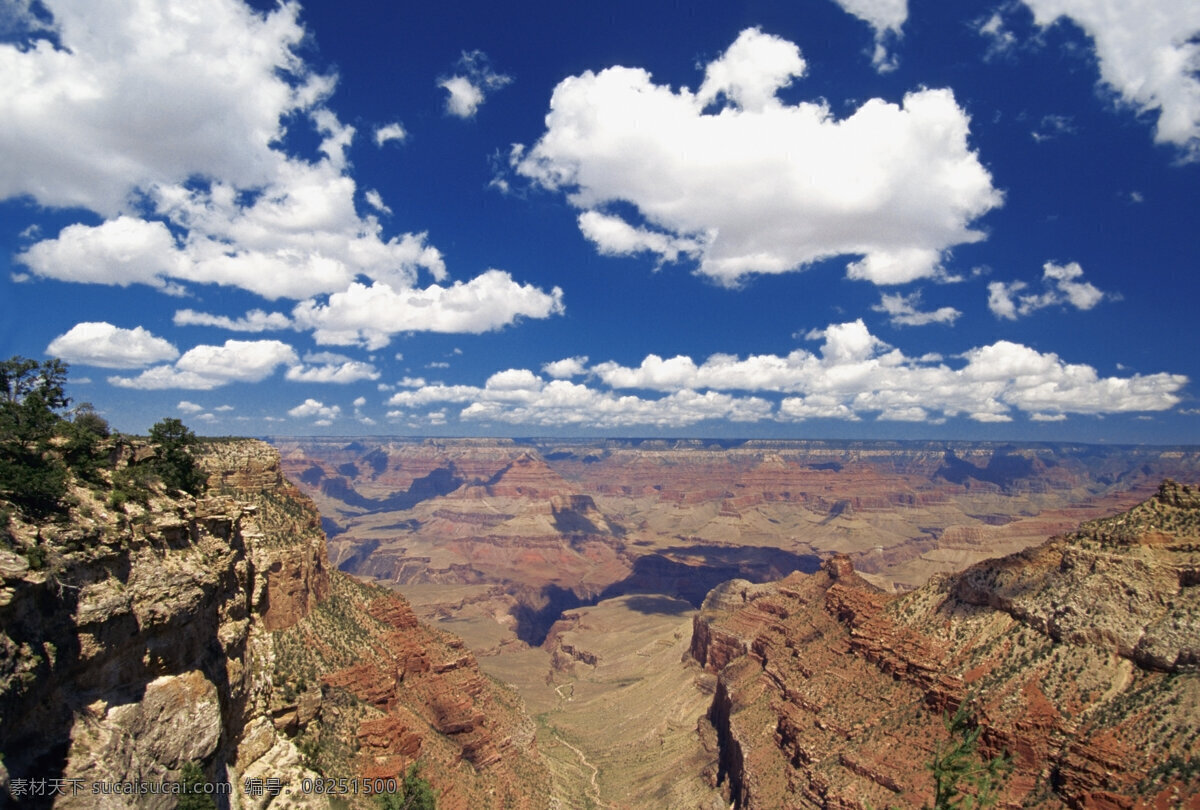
[31,397]
[33,481]
[957,765]
[174,464]
[415,793]
[81,443]
[310,750]
[131,483]
[192,775]
[36,557]
[117,499]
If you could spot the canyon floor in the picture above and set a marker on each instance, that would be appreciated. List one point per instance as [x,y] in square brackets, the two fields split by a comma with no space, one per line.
[616,700]
[573,570]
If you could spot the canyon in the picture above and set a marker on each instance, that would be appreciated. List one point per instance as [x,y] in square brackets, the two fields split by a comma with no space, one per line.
[610,624]
[1077,659]
[574,571]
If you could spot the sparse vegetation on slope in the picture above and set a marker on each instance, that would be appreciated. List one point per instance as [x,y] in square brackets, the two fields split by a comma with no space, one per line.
[45,450]
[1081,656]
[146,633]
[33,474]
[962,778]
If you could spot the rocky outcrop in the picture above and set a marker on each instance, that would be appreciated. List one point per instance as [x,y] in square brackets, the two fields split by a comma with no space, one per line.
[1129,564]
[1078,659]
[412,694]
[144,637]
[135,649]
[527,476]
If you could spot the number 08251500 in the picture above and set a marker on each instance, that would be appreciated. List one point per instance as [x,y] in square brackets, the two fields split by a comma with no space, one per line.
[337,787]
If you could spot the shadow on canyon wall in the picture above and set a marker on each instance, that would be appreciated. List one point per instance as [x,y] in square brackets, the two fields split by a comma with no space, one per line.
[679,572]
[1003,469]
[441,481]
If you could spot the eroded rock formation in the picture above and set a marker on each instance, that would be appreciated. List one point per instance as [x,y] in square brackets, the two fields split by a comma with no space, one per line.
[140,638]
[579,515]
[1078,658]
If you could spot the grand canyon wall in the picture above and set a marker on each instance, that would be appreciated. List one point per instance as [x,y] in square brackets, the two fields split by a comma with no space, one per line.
[560,523]
[1078,659]
[217,631]
[141,638]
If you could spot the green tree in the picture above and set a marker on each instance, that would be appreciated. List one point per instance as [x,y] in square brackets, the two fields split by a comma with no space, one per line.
[957,764]
[31,395]
[85,418]
[415,793]
[191,775]
[81,447]
[174,464]
[31,399]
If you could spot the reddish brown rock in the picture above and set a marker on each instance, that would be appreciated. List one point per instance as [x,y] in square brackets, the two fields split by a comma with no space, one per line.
[837,696]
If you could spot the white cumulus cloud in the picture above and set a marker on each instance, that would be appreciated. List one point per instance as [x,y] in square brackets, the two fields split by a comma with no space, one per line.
[903,310]
[148,93]
[756,186]
[370,315]
[102,344]
[256,320]
[561,403]
[122,251]
[375,200]
[614,236]
[325,414]
[344,372]
[887,18]
[1149,54]
[169,120]
[464,97]
[1061,287]
[567,367]
[854,375]
[205,367]
[145,97]
[390,132]
[473,82]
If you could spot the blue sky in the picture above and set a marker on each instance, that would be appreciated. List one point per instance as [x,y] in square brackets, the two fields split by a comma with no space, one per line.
[819,218]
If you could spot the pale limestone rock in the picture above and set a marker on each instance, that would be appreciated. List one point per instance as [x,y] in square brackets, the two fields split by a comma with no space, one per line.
[177,720]
[283,762]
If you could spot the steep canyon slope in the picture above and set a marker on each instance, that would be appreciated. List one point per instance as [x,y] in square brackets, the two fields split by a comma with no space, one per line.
[662,625]
[1078,658]
[602,518]
[141,638]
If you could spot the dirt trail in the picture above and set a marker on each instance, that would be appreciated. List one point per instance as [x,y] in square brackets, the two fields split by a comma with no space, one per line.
[595,771]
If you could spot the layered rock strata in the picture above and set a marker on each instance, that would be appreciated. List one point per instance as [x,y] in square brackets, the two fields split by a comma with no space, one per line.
[142,638]
[1078,659]
[579,514]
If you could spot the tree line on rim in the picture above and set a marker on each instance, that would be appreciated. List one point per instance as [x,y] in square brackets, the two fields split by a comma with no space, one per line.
[44,443]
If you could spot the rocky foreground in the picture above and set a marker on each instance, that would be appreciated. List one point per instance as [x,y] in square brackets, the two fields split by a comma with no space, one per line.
[138,640]
[1079,658]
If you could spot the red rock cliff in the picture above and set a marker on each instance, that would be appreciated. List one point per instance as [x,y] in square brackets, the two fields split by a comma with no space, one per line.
[1078,658]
